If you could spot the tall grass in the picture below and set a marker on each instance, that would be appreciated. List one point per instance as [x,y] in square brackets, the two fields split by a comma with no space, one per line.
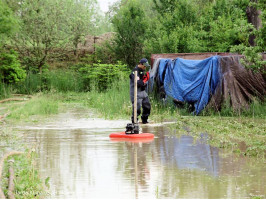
[57,80]
[114,102]
[40,105]
[64,81]
[28,184]
[31,85]
[5,91]
[256,108]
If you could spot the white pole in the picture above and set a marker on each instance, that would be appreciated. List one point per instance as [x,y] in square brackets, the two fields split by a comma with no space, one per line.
[135,95]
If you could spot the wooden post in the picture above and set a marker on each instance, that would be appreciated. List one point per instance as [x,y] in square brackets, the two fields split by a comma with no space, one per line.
[2,161]
[11,185]
[135,95]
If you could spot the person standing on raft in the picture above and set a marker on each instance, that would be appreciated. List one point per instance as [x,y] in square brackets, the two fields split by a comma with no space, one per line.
[142,97]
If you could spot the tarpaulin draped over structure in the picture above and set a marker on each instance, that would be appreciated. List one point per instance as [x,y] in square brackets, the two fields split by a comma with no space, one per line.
[190,81]
[216,79]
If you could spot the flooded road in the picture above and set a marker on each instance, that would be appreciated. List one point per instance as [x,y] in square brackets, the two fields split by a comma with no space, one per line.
[82,162]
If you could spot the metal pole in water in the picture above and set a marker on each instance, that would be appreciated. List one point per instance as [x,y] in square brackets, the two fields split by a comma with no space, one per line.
[136,170]
[135,95]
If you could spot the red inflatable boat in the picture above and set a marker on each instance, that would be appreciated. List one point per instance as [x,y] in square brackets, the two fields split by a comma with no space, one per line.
[141,137]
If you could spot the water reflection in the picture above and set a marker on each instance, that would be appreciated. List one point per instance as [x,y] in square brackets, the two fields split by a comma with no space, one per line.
[185,153]
[82,162]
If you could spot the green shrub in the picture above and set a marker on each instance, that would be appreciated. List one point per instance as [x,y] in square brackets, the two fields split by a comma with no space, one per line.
[10,68]
[101,76]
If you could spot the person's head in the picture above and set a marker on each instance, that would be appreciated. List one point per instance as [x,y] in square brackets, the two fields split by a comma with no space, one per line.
[144,64]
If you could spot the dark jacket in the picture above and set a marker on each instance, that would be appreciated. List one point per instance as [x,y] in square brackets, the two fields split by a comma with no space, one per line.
[140,84]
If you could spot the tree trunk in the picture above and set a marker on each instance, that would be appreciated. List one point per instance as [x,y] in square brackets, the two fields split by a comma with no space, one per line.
[253,15]
[42,62]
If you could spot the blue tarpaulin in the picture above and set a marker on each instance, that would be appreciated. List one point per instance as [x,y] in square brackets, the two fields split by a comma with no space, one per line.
[192,81]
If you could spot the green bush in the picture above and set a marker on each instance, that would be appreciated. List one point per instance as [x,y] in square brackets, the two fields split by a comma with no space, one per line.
[252,57]
[10,68]
[101,76]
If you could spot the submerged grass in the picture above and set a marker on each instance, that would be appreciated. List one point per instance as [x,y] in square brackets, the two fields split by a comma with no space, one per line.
[28,184]
[243,135]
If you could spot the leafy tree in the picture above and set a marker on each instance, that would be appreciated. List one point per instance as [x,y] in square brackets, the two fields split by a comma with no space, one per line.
[130,26]
[10,67]
[102,25]
[48,27]
[80,19]
[199,25]
[165,6]
[42,30]
[8,23]
[256,44]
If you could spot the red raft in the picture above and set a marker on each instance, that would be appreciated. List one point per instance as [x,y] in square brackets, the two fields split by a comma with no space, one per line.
[122,136]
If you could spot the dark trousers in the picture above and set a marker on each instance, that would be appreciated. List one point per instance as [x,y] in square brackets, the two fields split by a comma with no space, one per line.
[146,108]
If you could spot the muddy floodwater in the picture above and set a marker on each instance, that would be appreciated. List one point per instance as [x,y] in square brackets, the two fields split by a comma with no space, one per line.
[76,153]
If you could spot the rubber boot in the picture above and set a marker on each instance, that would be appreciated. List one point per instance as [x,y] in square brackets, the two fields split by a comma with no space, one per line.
[144,120]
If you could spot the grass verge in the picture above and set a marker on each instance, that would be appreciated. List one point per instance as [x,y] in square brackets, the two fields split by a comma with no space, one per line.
[28,184]
[241,134]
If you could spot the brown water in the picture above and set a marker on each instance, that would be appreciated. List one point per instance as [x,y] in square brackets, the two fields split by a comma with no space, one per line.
[81,161]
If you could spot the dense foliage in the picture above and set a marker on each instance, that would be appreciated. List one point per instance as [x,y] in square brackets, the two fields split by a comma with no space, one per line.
[190,26]
[201,26]
[8,23]
[10,68]
[257,39]
[130,29]
[52,31]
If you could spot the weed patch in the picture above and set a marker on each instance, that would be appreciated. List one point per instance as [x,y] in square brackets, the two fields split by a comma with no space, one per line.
[40,105]
[28,184]
[229,132]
